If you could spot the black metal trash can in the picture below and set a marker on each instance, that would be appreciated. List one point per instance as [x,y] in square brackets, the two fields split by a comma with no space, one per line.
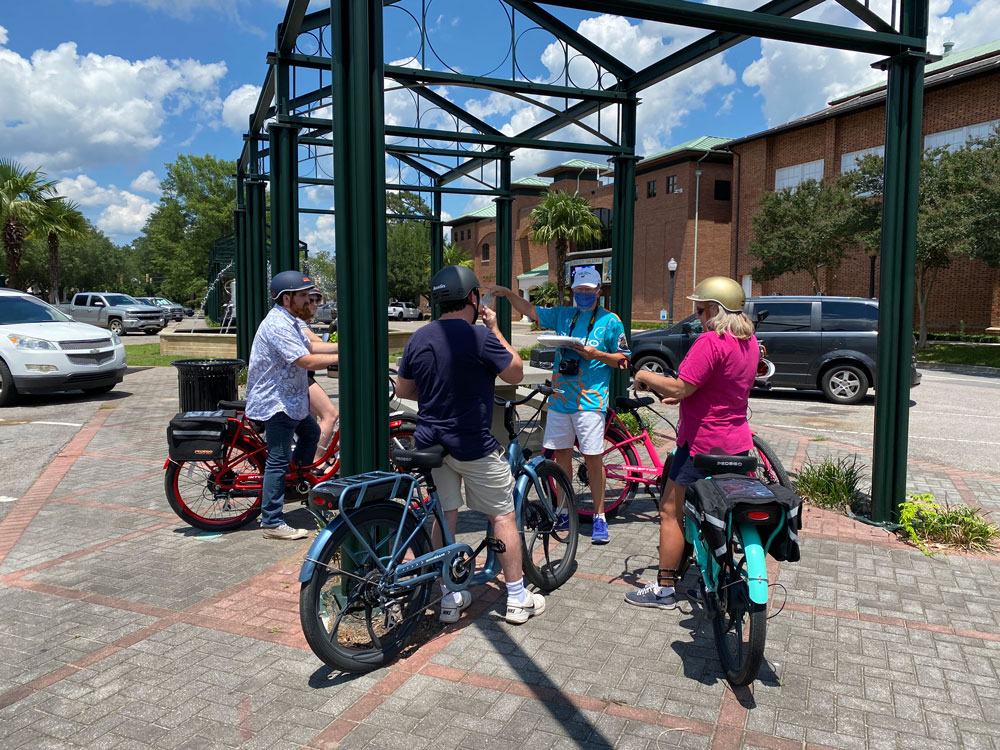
[202,383]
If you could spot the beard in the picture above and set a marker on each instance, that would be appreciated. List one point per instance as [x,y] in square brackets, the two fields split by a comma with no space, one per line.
[302,312]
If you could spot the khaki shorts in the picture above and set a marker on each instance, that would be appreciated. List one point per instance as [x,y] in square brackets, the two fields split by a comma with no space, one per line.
[489,485]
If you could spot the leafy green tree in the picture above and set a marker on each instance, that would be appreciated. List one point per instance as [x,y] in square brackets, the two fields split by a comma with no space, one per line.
[563,219]
[323,267]
[453,255]
[60,218]
[978,167]
[545,295]
[408,247]
[22,200]
[195,209]
[805,228]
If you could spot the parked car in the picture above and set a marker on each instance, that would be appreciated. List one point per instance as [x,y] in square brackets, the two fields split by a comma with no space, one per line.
[119,313]
[404,311]
[326,314]
[825,343]
[43,350]
[171,310]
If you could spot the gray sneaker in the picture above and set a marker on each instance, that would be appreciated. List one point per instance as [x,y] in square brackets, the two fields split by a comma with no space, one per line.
[646,597]
[284,531]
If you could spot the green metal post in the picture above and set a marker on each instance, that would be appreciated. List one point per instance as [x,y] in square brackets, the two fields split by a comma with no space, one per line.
[622,233]
[243,335]
[505,245]
[284,159]
[255,289]
[437,244]
[903,122]
[359,174]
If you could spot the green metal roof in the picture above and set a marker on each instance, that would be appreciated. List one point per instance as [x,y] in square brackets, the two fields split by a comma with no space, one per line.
[488,211]
[953,59]
[576,164]
[704,143]
[531,182]
[536,272]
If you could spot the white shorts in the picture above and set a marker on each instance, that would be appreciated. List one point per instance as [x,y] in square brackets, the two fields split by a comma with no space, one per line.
[583,427]
[489,485]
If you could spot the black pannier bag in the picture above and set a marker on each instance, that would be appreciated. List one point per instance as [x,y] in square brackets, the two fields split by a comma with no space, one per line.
[199,435]
[709,502]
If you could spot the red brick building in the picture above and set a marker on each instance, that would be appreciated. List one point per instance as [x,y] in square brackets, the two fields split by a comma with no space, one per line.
[961,101]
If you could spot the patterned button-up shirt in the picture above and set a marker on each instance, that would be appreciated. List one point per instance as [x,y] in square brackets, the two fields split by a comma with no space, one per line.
[274,383]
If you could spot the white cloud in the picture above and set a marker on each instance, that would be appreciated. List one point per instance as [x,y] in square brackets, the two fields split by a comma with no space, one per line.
[147,182]
[3,35]
[238,106]
[121,214]
[64,111]
[321,237]
[794,80]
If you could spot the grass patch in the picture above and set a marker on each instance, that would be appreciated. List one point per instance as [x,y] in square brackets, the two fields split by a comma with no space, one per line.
[832,484]
[925,521]
[148,355]
[648,325]
[983,356]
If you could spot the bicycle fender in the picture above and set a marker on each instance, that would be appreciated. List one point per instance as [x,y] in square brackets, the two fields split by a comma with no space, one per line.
[756,564]
[524,478]
[320,542]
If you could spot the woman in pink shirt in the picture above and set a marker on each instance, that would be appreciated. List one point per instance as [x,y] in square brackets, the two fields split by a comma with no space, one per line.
[712,389]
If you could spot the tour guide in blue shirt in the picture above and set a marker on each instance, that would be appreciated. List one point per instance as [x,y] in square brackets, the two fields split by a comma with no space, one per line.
[450,367]
[278,392]
[581,377]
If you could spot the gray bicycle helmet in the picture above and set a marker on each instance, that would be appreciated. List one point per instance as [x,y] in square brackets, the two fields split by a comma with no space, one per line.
[453,284]
[290,281]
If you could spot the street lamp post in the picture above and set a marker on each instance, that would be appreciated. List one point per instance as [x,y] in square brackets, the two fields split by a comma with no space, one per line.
[672,267]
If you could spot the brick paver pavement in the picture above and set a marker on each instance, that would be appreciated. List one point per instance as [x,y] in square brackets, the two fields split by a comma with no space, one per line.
[123,627]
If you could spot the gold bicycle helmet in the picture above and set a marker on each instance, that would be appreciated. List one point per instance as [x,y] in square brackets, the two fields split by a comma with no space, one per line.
[721,290]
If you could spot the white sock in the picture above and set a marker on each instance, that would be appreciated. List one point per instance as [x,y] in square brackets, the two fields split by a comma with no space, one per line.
[449,598]
[599,515]
[662,592]
[516,592]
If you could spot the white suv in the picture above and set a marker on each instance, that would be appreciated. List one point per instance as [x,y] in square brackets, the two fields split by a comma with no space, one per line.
[43,350]
[404,311]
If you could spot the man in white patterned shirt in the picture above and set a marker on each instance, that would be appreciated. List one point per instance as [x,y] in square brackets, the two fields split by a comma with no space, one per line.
[278,393]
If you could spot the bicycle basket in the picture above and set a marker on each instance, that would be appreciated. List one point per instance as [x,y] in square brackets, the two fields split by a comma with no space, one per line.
[199,435]
[713,503]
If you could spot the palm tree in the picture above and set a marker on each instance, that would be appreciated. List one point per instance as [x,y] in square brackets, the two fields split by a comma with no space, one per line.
[453,255]
[22,200]
[563,218]
[60,218]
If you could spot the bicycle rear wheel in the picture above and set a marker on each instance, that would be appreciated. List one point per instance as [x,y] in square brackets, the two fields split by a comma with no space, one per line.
[352,617]
[401,438]
[769,468]
[548,554]
[740,629]
[203,493]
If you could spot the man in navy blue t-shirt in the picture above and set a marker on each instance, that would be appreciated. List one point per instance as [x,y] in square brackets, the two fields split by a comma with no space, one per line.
[450,367]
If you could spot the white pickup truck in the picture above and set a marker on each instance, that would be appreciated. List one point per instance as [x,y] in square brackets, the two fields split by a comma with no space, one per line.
[119,313]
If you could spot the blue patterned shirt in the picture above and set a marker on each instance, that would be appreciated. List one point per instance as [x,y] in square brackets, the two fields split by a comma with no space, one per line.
[274,383]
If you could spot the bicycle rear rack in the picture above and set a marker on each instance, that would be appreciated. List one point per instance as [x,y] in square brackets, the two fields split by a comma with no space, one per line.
[352,492]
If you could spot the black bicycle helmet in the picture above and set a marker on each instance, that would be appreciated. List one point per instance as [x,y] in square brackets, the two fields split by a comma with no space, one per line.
[453,284]
[290,281]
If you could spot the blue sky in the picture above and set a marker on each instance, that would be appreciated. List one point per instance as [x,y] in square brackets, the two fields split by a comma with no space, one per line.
[101,93]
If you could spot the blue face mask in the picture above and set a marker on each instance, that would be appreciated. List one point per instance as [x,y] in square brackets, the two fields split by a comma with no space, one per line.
[584,300]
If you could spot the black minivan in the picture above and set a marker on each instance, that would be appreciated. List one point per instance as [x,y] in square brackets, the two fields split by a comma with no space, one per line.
[829,343]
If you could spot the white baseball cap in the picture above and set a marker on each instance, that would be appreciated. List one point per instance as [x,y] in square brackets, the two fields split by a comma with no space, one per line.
[586,276]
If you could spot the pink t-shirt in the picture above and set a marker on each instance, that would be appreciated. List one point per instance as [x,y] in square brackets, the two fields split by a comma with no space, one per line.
[715,416]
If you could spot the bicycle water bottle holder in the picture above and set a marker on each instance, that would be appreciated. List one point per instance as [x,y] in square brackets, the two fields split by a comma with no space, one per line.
[351,492]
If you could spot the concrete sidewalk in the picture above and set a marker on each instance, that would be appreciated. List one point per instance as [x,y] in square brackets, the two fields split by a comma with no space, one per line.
[123,627]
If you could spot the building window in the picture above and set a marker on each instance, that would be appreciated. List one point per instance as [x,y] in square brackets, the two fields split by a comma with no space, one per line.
[789,177]
[671,184]
[723,190]
[486,252]
[651,189]
[849,162]
[635,195]
[955,139]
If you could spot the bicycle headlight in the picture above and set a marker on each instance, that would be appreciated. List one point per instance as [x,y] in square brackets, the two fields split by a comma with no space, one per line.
[30,343]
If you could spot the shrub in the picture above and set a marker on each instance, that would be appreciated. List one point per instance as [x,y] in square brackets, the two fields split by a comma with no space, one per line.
[832,484]
[525,352]
[925,520]
[633,425]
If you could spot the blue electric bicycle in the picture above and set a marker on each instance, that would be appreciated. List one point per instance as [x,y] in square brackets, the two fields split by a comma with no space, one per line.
[369,575]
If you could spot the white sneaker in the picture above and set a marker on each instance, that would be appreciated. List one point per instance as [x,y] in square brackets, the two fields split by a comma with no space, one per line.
[284,531]
[518,614]
[451,610]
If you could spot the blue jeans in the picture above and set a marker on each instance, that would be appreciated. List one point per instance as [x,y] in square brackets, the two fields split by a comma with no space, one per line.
[278,432]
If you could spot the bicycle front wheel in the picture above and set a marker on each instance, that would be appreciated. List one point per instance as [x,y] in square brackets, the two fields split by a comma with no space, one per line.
[204,493]
[352,617]
[740,628]
[769,468]
[548,552]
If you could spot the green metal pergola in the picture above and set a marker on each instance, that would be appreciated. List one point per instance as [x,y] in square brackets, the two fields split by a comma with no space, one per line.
[321,111]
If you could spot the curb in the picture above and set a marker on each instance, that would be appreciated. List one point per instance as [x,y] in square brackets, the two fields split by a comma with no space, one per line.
[960,369]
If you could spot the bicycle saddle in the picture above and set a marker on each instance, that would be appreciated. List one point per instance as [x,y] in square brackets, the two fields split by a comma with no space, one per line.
[423,459]
[238,405]
[716,463]
[631,404]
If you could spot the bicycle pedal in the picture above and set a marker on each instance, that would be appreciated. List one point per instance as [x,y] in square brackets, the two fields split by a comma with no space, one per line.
[496,545]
